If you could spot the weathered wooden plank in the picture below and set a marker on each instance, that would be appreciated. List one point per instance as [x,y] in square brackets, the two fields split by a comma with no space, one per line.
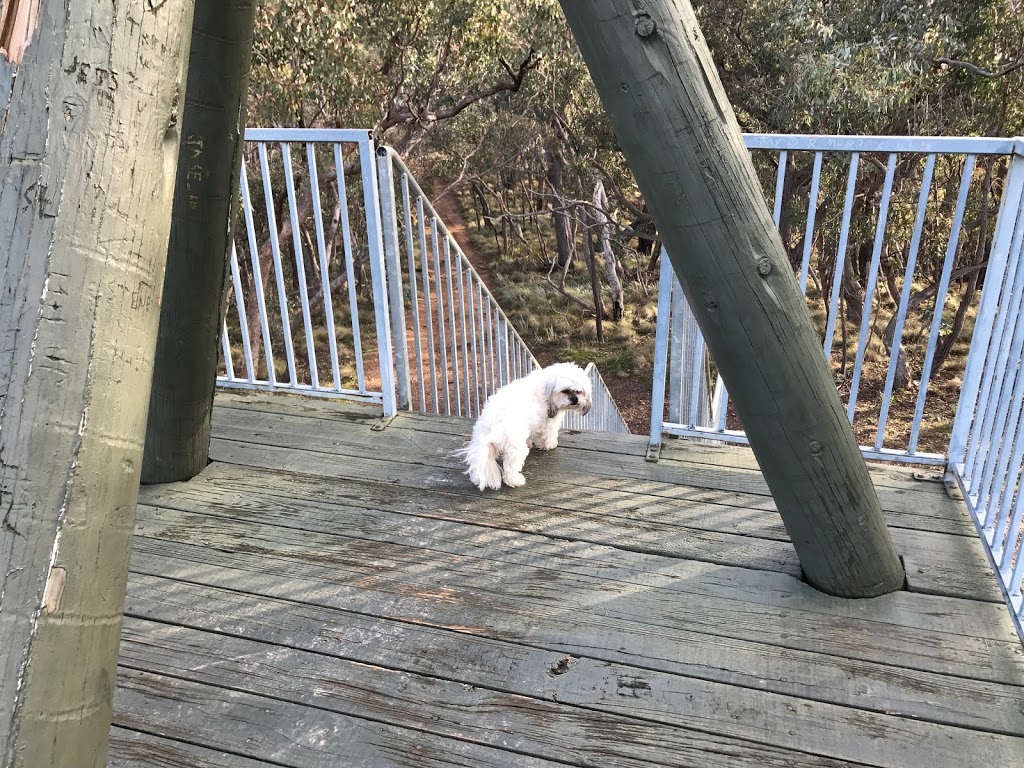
[355,439]
[671,716]
[684,603]
[686,452]
[228,488]
[302,500]
[468,658]
[132,749]
[285,733]
[951,565]
[406,539]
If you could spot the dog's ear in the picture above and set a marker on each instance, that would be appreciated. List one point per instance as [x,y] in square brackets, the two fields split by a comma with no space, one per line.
[550,391]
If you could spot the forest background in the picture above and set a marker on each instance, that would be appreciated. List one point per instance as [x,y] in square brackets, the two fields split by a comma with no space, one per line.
[491,106]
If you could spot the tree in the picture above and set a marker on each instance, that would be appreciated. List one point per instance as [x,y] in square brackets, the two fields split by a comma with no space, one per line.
[89,151]
[181,401]
[677,129]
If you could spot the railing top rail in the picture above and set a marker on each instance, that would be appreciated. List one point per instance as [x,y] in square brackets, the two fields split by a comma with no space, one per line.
[332,135]
[978,145]
[416,189]
[923,144]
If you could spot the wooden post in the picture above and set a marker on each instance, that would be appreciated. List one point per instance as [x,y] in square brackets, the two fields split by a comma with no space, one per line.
[657,81]
[187,351]
[88,155]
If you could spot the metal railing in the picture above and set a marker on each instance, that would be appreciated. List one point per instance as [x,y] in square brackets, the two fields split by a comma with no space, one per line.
[265,315]
[454,345]
[910,196]
[604,415]
[986,449]
[299,316]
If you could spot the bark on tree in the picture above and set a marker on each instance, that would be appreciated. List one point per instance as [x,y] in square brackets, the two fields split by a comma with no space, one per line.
[213,125]
[558,214]
[88,155]
[611,272]
[657,81]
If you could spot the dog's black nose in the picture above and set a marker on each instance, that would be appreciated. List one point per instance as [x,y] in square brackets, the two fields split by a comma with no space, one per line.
[574,400]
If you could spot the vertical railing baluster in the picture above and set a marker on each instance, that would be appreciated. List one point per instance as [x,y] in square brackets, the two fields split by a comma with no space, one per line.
[940,299]
[414,301]
[780,187]
[427,305]
[243,327]
[869,292]
[350,271]
[325,266]
[275,249]
[812,212]
[257,277]
[442,337]
[905,293]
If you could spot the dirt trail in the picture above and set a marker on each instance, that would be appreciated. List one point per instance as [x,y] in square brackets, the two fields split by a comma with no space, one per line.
[632,395]
[450,210]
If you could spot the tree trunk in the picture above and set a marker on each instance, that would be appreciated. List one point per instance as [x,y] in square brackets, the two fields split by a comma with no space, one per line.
[89,152]
[590,257]
[657,81]
[558,214]
[611,273]
[187,349]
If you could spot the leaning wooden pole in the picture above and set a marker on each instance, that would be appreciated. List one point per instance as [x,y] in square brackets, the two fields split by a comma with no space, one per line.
[657,81]
[181,402]
[88,153]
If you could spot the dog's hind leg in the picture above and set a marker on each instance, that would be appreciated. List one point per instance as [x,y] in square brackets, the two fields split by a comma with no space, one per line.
[512,464]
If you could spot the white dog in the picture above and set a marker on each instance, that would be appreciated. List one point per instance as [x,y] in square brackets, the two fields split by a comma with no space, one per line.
[525,413]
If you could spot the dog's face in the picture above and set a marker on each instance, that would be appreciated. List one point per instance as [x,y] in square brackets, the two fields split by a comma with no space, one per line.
[568,389]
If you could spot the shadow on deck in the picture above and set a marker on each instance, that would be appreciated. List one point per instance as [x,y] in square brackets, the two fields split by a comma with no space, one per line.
[328,595]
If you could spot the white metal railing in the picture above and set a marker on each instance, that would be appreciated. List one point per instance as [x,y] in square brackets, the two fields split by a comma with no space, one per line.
[442,342]
[453,343]
[984,454]
[698,408]
[986,450]
[275,286]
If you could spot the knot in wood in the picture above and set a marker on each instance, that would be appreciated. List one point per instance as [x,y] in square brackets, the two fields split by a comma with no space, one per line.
[815,448]
[645,25]
[764,267]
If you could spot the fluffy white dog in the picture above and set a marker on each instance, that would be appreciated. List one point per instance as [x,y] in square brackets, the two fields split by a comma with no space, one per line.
[525,413]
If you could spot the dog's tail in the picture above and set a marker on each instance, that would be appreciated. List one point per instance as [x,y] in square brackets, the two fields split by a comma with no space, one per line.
[481,458]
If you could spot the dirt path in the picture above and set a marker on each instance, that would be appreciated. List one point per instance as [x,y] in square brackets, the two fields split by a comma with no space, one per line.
[632,395]
[450,210]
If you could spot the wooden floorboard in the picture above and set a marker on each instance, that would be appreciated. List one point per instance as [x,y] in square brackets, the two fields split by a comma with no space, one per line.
[278,730]
[459,711]
[472,654]
[135,749]
[328,594]
[936,563]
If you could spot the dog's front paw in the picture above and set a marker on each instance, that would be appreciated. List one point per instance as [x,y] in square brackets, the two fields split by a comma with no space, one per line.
[515,480]
[547,444]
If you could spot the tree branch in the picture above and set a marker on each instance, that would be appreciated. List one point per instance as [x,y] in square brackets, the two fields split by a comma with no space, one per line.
[405,115]
[975,69]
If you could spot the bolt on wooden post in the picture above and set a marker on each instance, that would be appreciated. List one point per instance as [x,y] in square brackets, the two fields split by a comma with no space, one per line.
[659,85]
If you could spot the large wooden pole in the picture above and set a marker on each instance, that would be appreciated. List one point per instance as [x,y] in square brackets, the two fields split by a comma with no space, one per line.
[657,81]
[88,154]
[213,125]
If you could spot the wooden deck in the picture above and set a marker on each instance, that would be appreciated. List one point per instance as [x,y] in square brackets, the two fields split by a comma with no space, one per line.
[329,595]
